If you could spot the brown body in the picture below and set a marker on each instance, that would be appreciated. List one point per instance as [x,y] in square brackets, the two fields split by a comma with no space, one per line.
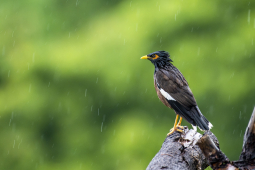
[160,96]
[173,82]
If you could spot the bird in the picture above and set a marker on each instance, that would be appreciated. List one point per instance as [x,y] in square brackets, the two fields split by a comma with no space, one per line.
[174,92]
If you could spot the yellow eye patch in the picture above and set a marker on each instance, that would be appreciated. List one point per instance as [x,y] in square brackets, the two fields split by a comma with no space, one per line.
[155,57]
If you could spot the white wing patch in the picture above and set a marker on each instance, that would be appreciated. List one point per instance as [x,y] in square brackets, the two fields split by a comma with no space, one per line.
[166,95]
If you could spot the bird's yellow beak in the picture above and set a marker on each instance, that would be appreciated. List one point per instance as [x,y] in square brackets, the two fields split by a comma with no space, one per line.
[145,57]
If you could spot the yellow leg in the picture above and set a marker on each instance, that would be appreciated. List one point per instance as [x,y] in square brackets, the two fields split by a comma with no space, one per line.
[177,126]
[180,121]
[176,119]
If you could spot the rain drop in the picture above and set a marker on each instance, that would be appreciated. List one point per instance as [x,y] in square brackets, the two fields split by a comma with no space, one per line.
[19,143]
[198,51]
[232,75]
[132,137]
[102,126]
[249,16]
[29,90]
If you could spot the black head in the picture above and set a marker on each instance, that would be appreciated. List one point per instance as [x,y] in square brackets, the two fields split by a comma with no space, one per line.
[158,58]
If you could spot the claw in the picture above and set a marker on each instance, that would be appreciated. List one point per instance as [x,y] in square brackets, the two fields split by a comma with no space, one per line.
[176,128]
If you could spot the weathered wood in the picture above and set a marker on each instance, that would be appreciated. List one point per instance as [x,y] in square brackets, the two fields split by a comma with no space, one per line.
[190,150]
[217,159]
[179,152]
[247,157]
[248,152]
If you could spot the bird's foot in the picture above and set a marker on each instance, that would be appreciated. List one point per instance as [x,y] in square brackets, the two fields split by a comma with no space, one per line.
[177,128]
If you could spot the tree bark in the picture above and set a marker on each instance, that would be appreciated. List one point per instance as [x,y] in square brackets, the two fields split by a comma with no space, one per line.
[179,152]
[190,150]
[217,159]
[247,157]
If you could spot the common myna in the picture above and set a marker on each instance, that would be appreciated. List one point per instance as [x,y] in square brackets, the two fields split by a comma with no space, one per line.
[174,92]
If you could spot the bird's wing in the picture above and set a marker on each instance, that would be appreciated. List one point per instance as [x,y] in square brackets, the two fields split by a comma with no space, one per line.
[174,87]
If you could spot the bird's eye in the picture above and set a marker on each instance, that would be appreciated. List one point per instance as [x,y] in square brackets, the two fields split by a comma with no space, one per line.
[155,56]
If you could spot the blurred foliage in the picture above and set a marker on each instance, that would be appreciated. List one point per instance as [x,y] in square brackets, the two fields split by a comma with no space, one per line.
[74,93]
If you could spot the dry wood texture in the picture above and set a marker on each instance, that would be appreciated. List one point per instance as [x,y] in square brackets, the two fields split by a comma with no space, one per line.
[190,150]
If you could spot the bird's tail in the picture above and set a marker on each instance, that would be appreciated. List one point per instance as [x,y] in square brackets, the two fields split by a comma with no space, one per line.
[200,120]
[193,115]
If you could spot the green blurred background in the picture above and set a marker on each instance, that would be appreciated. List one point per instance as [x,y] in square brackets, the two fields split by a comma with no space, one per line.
[74,93]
